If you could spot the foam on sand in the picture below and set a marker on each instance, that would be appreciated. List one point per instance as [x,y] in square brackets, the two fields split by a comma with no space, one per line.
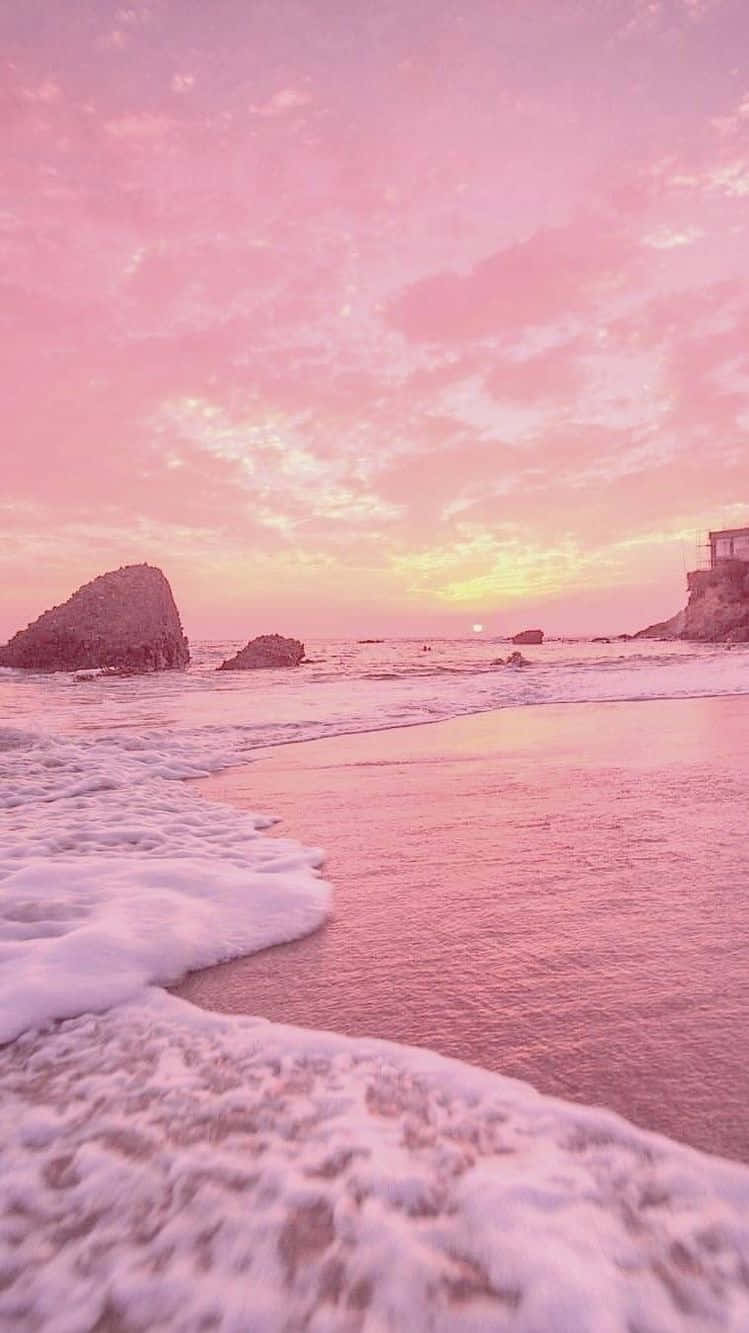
[114,876]
[169,1169]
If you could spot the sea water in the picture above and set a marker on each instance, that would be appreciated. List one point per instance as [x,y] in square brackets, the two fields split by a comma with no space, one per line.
[96,816]
[155,1156]
[349,686]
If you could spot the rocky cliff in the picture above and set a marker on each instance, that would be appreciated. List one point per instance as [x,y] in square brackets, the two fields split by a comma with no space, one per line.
[717,610]
[718,606]
[268,650]
[126,619]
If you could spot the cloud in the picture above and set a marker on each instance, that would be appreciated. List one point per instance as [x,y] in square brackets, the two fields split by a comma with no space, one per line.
[669,238]
[732,178]
[536,350]
[46,92]
[114,40]
[552,275]
[735,121]
[142,127]
[275,462]
[127,19]
[729,177]
[647,17]
[555,373]
[282,102]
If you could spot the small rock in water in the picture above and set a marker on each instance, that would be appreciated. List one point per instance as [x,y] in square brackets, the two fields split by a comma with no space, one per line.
[514,660]
[267,650]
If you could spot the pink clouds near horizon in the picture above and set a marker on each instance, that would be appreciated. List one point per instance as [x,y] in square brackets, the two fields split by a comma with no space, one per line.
[374,318]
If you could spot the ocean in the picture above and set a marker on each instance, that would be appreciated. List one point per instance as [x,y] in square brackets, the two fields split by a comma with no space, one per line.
[349,686]
[155,1153]
[90,776]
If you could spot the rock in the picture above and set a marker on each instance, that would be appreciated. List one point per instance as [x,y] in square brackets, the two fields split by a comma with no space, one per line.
[514,660]
[125,620]
[663,629]
[601,639]
[717,610]
[268,650]
[529,636]
[718,606]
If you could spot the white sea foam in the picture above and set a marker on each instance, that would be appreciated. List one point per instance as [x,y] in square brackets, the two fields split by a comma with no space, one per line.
[113,875]
[167,1169]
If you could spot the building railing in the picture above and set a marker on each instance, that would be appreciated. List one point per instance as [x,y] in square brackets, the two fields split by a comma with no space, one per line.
[710,554]
[704,553]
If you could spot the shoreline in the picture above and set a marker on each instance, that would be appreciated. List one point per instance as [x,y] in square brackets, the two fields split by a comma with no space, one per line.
[266,747]
[398,786]
[174,1168]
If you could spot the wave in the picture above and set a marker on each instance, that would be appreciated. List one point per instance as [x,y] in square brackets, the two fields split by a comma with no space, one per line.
[114,876]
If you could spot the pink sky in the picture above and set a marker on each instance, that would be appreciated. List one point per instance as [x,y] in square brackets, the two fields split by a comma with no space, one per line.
[382,316]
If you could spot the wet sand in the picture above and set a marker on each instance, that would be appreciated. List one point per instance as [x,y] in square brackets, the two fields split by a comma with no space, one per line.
[558,893]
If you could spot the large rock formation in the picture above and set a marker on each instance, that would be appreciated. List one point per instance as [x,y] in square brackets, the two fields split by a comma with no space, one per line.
[529,636]
[718,606]
[126,619]
[717,610]
[268,650]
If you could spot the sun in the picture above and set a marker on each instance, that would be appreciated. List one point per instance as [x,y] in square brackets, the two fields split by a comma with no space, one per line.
[477,629]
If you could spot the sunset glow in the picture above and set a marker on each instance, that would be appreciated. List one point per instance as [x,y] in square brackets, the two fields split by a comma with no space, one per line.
[374,318]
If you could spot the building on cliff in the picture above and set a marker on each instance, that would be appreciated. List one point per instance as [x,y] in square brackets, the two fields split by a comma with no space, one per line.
[728,544]
[717,609]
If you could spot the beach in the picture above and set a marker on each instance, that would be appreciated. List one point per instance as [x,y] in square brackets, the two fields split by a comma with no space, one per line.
[556,893]
[553,892]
